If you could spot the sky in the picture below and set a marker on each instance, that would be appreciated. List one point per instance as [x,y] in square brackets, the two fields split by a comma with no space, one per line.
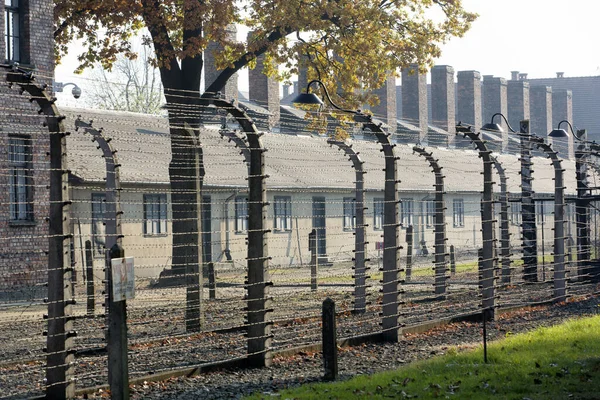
[537,37]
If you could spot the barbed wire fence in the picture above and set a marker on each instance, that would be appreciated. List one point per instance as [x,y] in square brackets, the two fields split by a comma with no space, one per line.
[397,230]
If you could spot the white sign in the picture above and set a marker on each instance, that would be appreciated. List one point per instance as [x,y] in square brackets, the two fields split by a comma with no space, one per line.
[123,278]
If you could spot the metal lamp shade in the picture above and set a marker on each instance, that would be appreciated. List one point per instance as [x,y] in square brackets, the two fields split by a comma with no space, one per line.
[492,127]
[558,133]
[307,98]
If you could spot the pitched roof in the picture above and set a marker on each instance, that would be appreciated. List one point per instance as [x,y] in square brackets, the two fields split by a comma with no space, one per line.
[292,162]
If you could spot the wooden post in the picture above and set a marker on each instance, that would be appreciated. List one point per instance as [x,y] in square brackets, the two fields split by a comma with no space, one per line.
[314,259]
[118,371]
[89,271]
[409,252]
[212,283]
[330,356]
[452,260]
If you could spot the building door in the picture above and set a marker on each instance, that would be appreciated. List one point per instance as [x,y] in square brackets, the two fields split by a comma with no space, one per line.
[318,223]
[206,230]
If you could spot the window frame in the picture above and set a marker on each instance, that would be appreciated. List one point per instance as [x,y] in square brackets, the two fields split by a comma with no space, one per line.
[20,162]
[407,211]
[13,41]
[282,213]
[155,218]
[98,211]
[378,213]
[515,213]
[429,213]
[458,213]
[241,214]
[349,213]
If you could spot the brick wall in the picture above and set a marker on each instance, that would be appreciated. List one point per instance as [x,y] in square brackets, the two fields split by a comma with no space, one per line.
[23,260]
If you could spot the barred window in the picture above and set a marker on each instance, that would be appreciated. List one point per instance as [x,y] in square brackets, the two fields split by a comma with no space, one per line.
[12,31]
[349,213]
[458,215]
[21,182]
[283,213]
[98,227]
[429,213]
[378,213]
[155,214]
[515,213]
[241,214]
[406,212]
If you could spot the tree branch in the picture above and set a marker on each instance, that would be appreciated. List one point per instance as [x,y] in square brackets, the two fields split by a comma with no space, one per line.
[219,83]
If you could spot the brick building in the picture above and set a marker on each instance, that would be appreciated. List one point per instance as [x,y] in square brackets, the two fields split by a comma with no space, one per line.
[27,28]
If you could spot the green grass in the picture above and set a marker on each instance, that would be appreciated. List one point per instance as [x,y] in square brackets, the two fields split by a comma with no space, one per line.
[559,362]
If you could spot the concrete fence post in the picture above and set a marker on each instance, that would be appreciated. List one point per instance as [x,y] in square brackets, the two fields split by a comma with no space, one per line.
[528,207]
[560,286]
[118,370]
[410,241]
[504,227]
[440,257]
[89,272]
[257,284]
[360,269]
[487,280]
[314,260]
[59,360]
[390,322]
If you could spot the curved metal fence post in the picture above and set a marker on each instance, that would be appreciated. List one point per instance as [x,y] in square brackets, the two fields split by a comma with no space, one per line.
[439,223]
[390,322]
[59,364]
[560,287]
[487,280]
[530,261]
[360,269]
[504,227]
[257,285]
[118,371]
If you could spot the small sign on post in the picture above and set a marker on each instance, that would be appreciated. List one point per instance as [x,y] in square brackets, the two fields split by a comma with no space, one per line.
[123,278]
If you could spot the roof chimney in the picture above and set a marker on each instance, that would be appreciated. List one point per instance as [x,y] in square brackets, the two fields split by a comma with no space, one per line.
[522,76]
[560,74]
[514,75]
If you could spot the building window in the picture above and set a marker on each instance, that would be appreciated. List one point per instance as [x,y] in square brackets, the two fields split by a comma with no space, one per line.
[12,31]
[283,213]
[429,213]
[349,213]
[241,214]
[98,227]
[378,214]
[458,207]
[406,212]
[21,182]
[155,214]
[515,213]
[543,210]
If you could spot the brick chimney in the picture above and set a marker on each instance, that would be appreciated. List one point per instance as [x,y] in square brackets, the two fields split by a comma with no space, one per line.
[302,73]
[562,109]
[443,101]
[414,99]
[518,102]
[468,98]
[541,110]
[495,101]
[211,72]
[386,109]
[514,75]
[263,90]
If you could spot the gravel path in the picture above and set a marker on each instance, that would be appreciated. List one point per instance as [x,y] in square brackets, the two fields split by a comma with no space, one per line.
[363,359]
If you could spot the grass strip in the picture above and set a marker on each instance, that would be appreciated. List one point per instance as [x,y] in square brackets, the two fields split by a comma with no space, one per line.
[558,362]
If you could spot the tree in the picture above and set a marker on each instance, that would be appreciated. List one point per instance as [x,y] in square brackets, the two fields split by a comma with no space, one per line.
[349,44]
[131,85]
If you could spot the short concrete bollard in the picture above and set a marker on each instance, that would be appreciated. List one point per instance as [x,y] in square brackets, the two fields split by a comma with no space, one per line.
[330,356]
